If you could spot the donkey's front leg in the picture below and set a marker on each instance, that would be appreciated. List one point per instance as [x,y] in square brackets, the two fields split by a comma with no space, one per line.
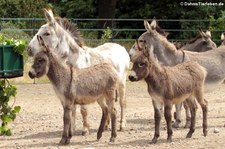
[157,116]
[168,117]
[73,121]
[67,131]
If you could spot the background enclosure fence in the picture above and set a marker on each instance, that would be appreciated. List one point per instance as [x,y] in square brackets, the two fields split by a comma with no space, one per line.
[122,29]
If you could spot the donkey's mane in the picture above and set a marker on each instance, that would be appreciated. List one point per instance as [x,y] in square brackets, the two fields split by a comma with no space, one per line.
[193,39]
[161,31]
[168,45]
[72,29]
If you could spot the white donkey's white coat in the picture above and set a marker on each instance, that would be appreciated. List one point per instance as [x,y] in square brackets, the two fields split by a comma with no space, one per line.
[61,40]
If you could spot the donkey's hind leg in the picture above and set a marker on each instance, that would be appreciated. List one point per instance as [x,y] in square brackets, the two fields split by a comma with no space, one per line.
[105,113]
[193,108]
[204,105]
[86,126]
[188,115]
[177,116]
[112,112]
[123,104]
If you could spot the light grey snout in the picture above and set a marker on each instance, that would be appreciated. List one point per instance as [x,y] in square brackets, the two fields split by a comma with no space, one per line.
[133,77]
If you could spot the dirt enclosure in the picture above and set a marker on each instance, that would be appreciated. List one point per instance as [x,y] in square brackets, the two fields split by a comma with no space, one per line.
[40,123]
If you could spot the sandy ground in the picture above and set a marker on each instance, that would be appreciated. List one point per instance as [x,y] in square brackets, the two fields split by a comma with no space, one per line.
[39,124]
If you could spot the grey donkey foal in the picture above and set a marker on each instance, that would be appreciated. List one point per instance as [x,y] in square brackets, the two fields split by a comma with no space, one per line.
[76,86]
[170,85]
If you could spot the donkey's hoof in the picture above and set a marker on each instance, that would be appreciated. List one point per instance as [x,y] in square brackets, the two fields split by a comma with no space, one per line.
[205,132]
[64,141]
[99,135]
[154,140]
[176,125]
[85,131]
[112,140]
[189,135]
[169,140]
[121,128]
[188,124]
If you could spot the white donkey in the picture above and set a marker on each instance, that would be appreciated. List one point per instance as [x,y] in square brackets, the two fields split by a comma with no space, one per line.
[63,36]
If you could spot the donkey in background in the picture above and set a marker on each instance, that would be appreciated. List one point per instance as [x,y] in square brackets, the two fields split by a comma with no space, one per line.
[76,86]
[170,85]
[200,43]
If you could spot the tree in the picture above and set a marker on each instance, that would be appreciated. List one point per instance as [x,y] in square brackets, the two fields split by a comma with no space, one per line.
[106,10]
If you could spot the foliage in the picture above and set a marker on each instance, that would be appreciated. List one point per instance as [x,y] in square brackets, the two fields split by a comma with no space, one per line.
[7,113]
[107,34]
[217,24]
[125,9]
[20,44]
[22,8]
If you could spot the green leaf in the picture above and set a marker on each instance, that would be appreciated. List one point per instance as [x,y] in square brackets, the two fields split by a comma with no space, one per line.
[7,113]
[20,45]
[6,118]
[17,109]
[2,130]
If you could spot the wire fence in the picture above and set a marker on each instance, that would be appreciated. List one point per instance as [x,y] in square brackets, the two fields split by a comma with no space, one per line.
[89,27]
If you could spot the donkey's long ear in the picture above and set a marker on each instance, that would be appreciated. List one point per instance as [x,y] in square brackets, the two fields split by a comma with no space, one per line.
[154,23]
[147,25]
[208,34]
[49,16]
[222,36]
[202,33]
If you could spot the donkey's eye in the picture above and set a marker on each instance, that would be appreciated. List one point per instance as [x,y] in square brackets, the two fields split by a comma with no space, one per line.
[40,60]
[46,34]
[141,64]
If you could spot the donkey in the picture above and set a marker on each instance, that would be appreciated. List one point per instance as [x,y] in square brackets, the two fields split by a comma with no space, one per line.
[168,55]
[200,43]
[64,37]
[171,85]
[76,86]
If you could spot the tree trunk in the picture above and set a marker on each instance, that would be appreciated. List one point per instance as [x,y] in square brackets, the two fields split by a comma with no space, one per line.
[106,10]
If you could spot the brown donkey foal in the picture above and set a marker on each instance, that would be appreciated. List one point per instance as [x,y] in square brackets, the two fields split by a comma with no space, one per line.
[76,86]
[170,85]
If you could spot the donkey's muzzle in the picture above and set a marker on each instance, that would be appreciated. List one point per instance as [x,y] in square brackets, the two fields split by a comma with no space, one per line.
[132,78]
[31,75]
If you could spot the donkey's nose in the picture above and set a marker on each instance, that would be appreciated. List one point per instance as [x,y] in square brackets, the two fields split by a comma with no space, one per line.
[132,78]
[31,75]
